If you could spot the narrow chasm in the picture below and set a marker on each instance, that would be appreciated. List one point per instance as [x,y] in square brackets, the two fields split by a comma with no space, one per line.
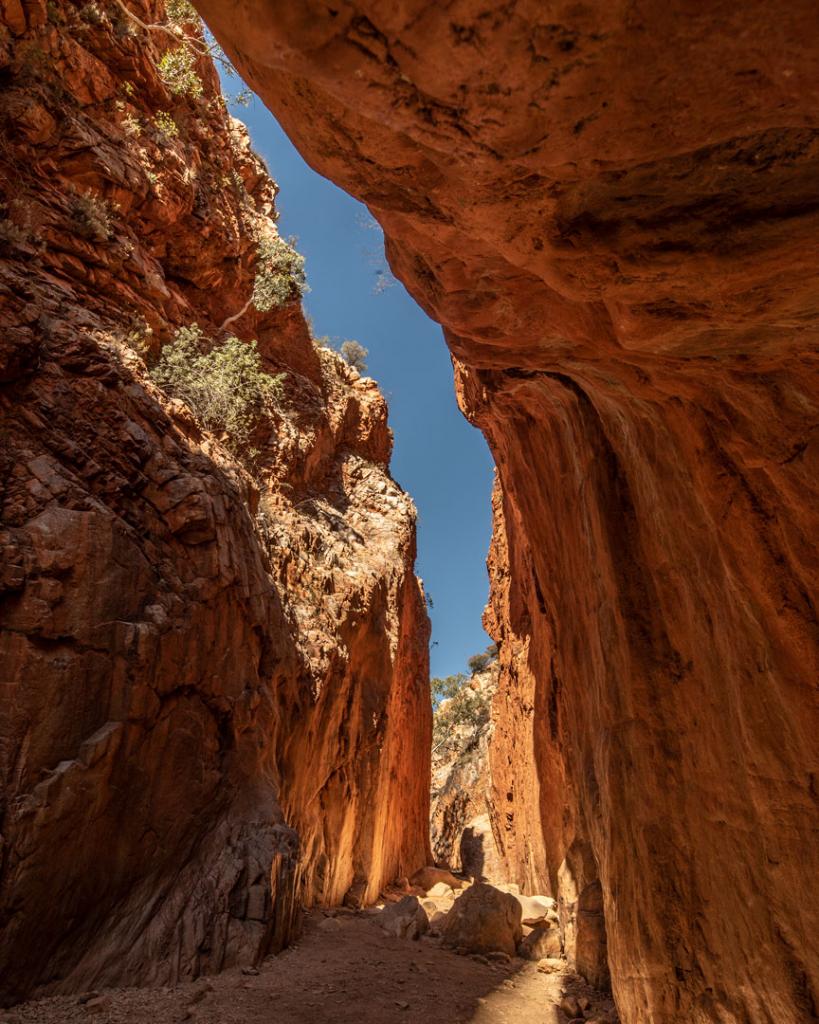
[230,791]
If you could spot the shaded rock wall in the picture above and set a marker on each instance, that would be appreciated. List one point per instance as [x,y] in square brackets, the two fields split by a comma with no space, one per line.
[613,212]
[214,685]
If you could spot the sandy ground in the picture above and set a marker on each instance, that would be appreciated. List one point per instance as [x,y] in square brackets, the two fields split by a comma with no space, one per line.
[343,970]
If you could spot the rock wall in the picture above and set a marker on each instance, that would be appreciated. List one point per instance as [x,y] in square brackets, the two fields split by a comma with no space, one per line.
[214,683]
[461,797]
[612,210]
[530,796]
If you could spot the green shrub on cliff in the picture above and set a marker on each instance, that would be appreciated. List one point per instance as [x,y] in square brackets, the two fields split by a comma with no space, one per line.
[279,273]
[177,69]
[456,706]
[91,216]
[225,387]
[180,12]
[165,125]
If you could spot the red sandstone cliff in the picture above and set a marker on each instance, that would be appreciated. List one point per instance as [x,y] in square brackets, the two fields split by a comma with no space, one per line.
[612,209]
[213,695]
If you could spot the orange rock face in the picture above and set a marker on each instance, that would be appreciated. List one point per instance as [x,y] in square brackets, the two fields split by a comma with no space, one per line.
[213,694]
[612,209]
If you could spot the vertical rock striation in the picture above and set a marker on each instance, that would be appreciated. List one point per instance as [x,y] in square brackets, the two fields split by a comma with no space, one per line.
[213,674]
[613,212]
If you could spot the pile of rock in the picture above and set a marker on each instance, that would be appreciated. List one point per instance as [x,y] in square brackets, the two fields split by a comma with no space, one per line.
[476,918]
[492,923]
[586,1006]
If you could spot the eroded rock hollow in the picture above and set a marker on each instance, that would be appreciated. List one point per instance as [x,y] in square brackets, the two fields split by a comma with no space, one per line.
[612,209]
[214,693]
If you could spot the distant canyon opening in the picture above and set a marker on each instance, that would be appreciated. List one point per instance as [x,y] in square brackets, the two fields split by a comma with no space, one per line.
[214,699]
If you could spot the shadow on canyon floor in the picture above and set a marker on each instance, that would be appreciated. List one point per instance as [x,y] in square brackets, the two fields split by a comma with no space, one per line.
[344,970]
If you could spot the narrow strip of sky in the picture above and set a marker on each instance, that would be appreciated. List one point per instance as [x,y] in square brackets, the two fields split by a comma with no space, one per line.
[439,458]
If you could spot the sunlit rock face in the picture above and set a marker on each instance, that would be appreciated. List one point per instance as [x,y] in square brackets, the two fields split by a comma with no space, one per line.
[612,209]
[462,795]
[214,687]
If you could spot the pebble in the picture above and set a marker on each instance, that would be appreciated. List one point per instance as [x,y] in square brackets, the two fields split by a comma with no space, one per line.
[98,1004]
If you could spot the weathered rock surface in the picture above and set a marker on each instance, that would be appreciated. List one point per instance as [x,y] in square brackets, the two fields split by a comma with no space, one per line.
[406,919]
[429,878]
[542,943]
[462,793]
[483,920]
[612,211]
[213,695]
[535,909]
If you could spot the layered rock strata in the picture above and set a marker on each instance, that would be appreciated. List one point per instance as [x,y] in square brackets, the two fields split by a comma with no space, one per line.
[613,211]
[213,695]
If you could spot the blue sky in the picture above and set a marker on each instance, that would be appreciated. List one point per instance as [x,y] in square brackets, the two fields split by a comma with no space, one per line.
[439,458]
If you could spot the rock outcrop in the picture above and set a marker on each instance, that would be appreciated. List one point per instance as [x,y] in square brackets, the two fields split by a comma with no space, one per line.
[462,795]
[214,689]
[612,211]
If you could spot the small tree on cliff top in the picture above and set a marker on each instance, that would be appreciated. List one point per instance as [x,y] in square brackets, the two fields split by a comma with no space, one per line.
[225,387]
[478,662]
[354,354]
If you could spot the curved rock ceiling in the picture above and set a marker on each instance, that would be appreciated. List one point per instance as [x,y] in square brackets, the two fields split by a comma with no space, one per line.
[613,211]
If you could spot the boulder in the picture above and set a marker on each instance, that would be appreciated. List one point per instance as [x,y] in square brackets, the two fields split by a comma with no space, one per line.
[550,965]
[535,909]
[406,919]
[436,912]
[427,878]
[542,942]
[354,897]
[483,920]
[436,922]
[440,889]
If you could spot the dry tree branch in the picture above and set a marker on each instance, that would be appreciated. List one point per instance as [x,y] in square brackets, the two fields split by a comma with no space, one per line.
[199,46]
[239,315]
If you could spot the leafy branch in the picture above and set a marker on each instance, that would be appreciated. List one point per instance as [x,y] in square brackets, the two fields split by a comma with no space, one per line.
[177,66]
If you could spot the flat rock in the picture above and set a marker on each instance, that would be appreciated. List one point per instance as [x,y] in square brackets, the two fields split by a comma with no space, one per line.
[440,889]
[535,909]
